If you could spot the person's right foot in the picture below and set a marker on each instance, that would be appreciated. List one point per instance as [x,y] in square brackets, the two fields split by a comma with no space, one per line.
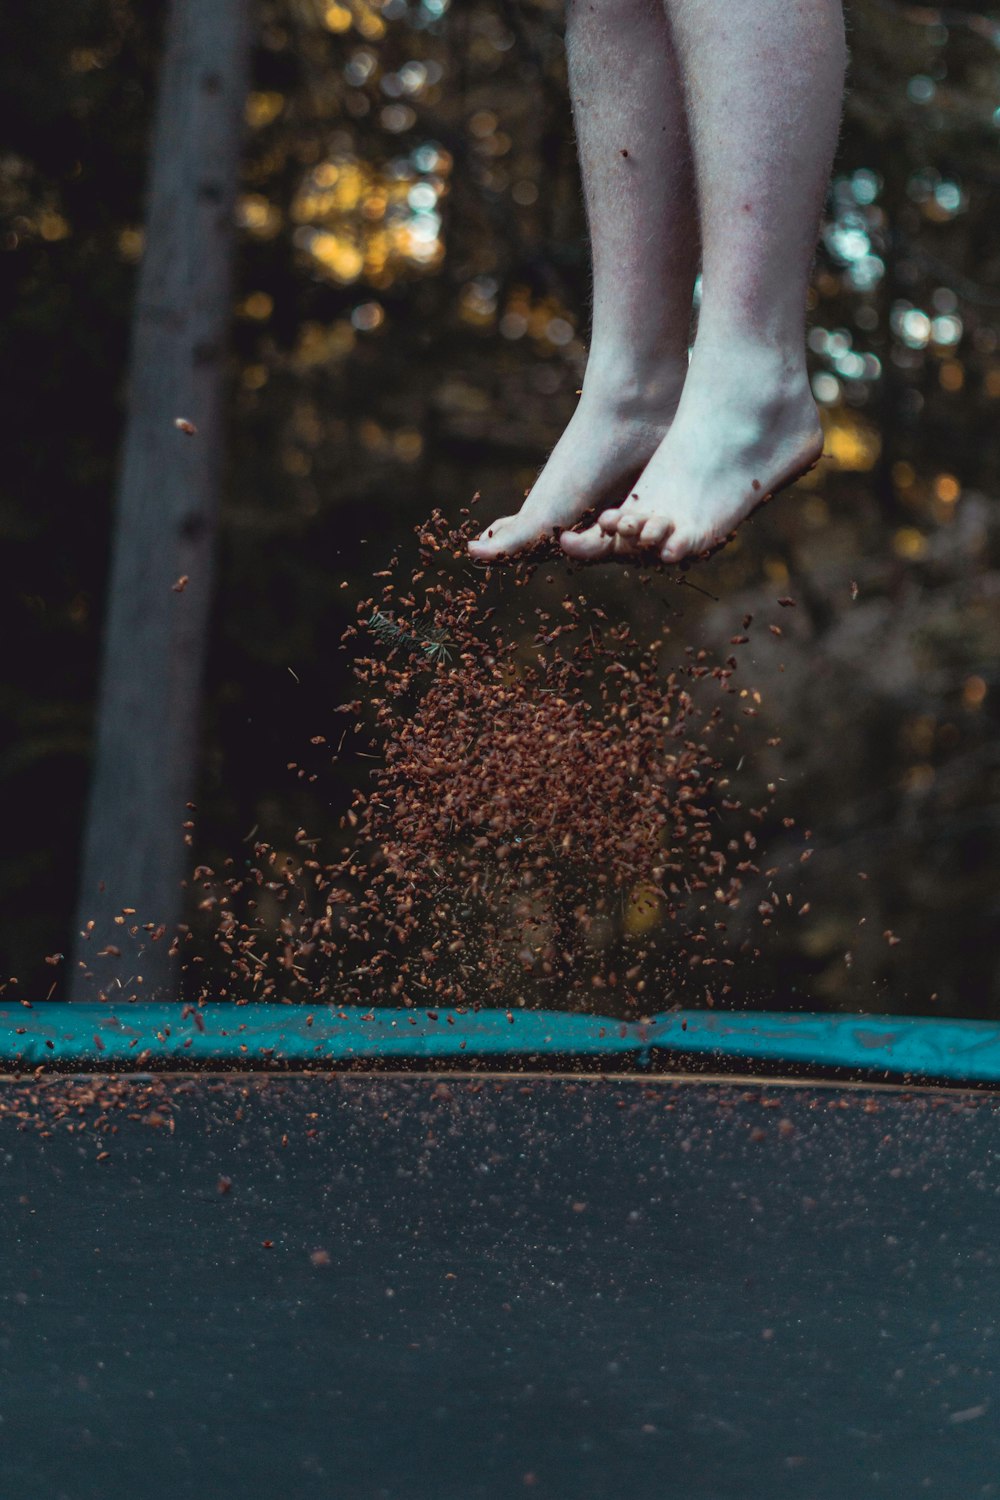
[747,427]
[609,441]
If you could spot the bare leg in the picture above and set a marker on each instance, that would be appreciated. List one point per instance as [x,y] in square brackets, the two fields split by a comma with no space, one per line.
[763,80]
[639,186]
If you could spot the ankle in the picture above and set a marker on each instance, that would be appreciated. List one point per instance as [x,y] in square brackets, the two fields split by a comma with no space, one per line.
[633,387]
[759,367]
[763,390]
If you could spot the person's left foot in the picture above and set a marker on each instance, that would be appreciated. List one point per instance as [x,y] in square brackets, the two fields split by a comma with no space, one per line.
[746,428]
[612,435]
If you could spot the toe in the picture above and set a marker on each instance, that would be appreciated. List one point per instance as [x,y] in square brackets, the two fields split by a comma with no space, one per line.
[627,546]
[608,519]
[489,543]
[592,545]
[676,548]
[632,522]
[630,517]
[655,531]
[505,536]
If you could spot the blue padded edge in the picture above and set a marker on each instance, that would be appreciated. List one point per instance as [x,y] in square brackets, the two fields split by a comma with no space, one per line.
[145,1036]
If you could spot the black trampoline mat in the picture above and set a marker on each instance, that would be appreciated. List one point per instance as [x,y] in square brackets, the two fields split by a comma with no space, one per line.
[386,1287]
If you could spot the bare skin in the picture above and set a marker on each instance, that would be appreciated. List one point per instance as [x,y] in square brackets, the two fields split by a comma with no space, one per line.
[638,180]
[734,443]
[761,92]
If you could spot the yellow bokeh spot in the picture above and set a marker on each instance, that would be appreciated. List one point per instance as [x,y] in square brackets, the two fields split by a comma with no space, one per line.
[947,488]
[850,443]
[257,214]
[262,107]
[992,382]
[951,375]
[376,253]
[483,123]
[373,207]
[408,445]
[337,18]
[909,543]
[307,424]
[295,462]
[904,475]
[52,226]
[130,243]
[373,437]
[254,377]
[822,938]
[476,307]
[642,910]
[342,259]
[333,188]
[259,305]
[974,692]
[371,26]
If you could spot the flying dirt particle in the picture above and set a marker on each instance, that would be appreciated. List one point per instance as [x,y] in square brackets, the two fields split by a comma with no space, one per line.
[469,871]
[181,584]
[183,425]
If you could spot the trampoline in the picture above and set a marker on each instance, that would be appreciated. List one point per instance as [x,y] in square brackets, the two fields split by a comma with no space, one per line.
[254,1250]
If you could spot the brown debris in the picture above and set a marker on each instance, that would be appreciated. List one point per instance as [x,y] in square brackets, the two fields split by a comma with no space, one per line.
[544,819]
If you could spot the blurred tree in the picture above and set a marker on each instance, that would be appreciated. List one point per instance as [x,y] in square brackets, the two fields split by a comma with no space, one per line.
[147,719]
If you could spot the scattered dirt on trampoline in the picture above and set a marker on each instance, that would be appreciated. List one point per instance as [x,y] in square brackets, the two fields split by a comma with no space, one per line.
[551,812]
[91,1107]
[113,1118]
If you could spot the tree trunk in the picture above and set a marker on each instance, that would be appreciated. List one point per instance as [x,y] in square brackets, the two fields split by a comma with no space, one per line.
[146,739]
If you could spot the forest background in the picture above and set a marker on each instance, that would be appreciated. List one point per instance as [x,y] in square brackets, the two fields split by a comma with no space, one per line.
[410,326]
